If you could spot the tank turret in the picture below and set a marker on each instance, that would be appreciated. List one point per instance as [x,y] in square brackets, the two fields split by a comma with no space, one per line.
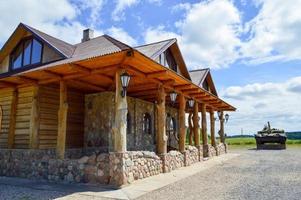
[270,138]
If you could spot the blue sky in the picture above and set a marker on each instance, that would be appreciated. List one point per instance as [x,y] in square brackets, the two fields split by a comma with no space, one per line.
[253,47]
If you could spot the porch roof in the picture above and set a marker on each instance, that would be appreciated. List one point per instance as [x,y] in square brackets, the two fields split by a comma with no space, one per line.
[92,73]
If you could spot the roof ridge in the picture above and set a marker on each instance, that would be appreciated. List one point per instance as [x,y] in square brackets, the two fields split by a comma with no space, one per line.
[197,70]
[38,33]
[155,42]
[118,43]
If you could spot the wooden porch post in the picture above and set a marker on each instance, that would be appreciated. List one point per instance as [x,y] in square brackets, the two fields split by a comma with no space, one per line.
[182,138]
[161,132]
[190,128]
[62,121]
[121,110]
[196,127]
[12,119]
[222,130]
[34,120]
[212,128]
[204,131]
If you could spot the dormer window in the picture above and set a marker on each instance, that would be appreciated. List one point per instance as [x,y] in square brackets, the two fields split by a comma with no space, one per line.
[27,53]
[166,59]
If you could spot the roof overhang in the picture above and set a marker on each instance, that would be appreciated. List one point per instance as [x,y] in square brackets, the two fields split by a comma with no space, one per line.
[97,74]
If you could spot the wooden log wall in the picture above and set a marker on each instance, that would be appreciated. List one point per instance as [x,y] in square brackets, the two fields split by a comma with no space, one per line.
[6,96]
[49,106]
[23,116]
[47,99]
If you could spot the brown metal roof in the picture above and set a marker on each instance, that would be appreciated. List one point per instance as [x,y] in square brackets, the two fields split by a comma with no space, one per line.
[155,49]
[198,76]
[63,47]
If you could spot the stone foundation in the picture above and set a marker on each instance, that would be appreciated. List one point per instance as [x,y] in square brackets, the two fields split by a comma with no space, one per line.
[86,166]
[212,151]
[193,155]
[221,149]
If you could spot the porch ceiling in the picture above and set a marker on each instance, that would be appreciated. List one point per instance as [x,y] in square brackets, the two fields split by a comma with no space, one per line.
[97,75]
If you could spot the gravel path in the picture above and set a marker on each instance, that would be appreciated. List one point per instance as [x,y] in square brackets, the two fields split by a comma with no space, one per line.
[257,175]
[254,175]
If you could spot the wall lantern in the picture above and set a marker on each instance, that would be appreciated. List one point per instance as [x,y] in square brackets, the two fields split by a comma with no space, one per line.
[227,117]
[125,80]
[173,96]
[190,103]
[219,114]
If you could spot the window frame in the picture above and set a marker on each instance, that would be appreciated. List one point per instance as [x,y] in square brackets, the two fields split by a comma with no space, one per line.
[22,43]
[147,118]
[128,123]
[1,118]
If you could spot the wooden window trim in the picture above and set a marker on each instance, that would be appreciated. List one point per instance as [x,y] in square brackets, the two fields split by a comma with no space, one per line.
[22,42]
[1,118]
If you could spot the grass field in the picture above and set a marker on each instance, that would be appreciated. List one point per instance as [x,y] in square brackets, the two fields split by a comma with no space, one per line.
[251,141]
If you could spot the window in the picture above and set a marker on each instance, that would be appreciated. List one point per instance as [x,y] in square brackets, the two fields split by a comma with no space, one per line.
[166,59]
[28,52]
[171,128]
[147,124]
[128,123]
[1,117]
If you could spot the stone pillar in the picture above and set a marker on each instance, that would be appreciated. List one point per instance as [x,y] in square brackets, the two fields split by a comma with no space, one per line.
[161,126]
[121,110]
[62,121]
[204,131]
[212,128]
[222,130]
[196,124]
[182,138]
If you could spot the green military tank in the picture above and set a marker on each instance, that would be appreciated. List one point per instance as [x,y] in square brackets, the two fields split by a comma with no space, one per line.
[270,138]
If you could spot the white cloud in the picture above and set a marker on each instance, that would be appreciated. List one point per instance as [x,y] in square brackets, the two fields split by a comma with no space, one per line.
[121,5]
[35,13]
[120,34]
[260,102]
[275,32]
[208,34]
[157,34]
[94,7]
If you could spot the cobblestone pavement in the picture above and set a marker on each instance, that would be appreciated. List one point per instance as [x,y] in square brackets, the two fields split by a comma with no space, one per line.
[260,175]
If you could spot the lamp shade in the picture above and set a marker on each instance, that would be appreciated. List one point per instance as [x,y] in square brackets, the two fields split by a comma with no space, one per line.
[219,114]
[190,103]
[173,96]
[227,117]
[125,79]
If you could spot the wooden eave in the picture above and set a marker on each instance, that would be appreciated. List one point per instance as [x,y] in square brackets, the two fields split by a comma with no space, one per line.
[97,75]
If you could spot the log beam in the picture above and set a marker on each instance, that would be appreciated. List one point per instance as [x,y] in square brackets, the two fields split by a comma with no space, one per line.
[34,120]
[222,129]
[12,119]
[182,103]
[62,121]
[195,119]
[212,128]
[121,110]
[161,126]
[204,131]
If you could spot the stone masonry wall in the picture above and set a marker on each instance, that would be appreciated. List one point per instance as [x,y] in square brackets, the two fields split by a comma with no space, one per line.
[221,149]
[42,164]
[212,151]
[193,155]
[174,160]
[99,118]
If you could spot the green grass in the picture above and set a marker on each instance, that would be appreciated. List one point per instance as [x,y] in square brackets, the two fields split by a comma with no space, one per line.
[247,141]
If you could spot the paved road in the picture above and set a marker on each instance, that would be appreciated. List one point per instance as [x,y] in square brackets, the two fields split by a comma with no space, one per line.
[257,175]
[254,175]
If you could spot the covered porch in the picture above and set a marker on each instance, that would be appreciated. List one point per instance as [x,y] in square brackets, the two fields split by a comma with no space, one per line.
[70,104]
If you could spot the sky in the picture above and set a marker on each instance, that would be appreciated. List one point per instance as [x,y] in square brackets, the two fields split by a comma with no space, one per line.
[253,47]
